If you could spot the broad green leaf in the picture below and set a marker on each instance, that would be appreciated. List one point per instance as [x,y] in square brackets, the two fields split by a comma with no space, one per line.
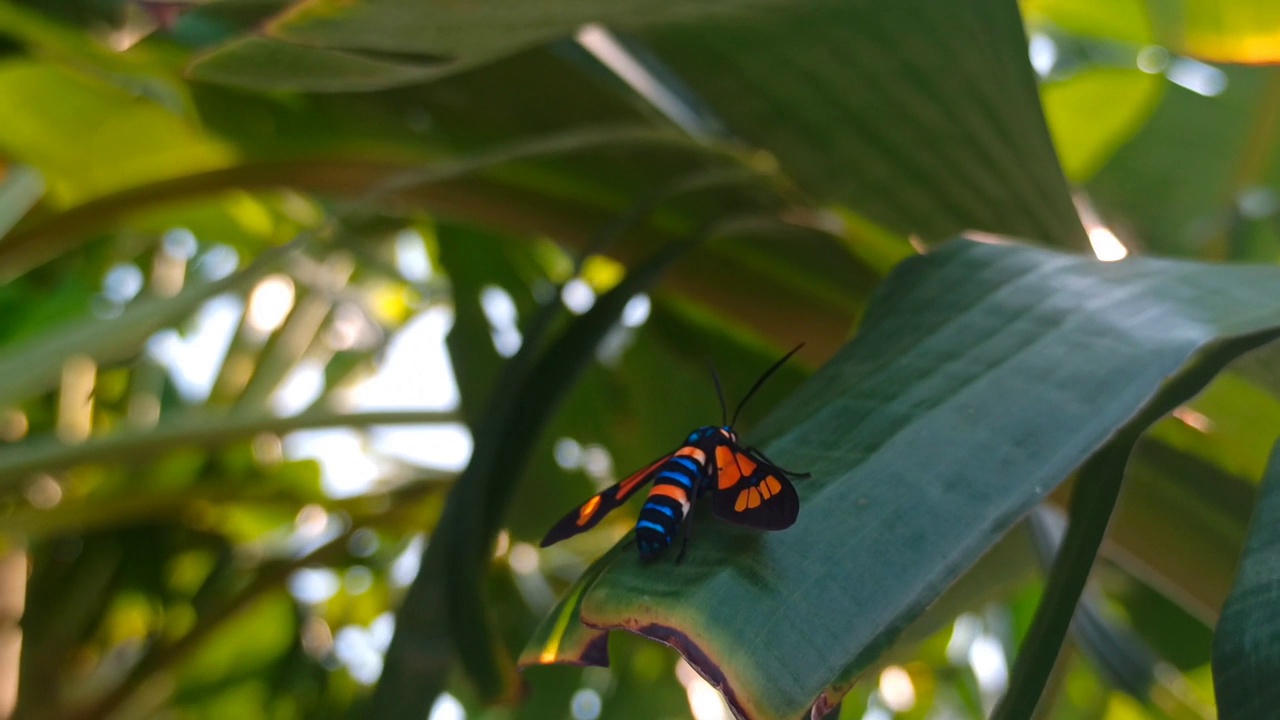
[473,34]
[1127,21]
[270,64]
[1228,31]
[1201,165]
[896,90]
[1086,138]
[1101,72]
[1246,644]
[890,108]
[928,436]
[122,139]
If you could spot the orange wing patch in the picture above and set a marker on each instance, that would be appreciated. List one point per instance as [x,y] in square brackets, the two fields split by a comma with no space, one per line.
[753,497]
[732,467]
[588,509]
[748,499]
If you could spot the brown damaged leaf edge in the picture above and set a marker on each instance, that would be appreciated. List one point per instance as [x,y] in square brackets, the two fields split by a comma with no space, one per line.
[594,654]
[697,659]
[562,638]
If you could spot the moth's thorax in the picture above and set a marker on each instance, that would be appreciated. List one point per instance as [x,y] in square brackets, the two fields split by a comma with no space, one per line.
[711,432]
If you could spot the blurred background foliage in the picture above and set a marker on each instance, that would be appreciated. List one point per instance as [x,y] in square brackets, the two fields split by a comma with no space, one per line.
[264,264]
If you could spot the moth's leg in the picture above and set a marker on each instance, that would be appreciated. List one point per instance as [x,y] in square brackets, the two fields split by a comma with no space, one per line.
[686,529]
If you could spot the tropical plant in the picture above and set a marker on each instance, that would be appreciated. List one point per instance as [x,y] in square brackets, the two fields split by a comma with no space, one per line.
[316,315]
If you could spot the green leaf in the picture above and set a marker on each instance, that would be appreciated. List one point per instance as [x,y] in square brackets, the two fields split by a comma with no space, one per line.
[469,34]
[20,189]
[49,454]
[1185,202]
[928,436]
[269,64]
[1179,525]
[1085,138]
[1127,21]
[1246,645]
[1241,31]
[125,140]
[890,109]
[562,638]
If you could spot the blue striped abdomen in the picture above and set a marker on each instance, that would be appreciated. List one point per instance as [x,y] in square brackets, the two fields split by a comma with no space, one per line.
[668,502]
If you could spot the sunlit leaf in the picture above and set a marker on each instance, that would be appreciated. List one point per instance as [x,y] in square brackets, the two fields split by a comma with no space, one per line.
[1242,31]
[1085,138]
[1202,165]
[1127,21]
[124,140]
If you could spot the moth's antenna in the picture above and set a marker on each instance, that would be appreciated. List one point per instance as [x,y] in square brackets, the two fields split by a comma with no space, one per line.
[724,411]
[760,382]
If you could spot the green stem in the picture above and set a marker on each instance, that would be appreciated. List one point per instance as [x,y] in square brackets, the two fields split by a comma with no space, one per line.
[1094,498]
[199,430]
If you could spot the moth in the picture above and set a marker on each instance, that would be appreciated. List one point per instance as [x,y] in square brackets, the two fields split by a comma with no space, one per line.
[745,486]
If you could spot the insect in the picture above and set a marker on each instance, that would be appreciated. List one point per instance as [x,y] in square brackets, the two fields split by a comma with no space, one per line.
[746,487]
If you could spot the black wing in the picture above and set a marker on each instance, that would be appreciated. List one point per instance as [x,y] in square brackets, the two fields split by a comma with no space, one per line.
[749,490]
[588,514]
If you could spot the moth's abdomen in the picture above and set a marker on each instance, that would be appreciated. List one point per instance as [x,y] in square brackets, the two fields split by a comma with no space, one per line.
[668,502]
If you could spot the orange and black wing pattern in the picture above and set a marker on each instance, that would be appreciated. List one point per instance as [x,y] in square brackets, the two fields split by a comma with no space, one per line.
[588,514]
[751,491]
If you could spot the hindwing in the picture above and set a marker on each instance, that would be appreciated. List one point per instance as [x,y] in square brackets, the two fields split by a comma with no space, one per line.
[750,490]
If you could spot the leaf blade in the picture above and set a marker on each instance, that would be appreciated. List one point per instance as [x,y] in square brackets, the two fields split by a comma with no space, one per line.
[1246,654]
[916,377]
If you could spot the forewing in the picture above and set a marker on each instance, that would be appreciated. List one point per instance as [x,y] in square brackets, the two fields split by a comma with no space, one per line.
[751,492]
[588,514]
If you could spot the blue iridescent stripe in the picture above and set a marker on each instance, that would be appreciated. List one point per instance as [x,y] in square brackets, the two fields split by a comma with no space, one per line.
[693,466]
[682,480]
[653,506]
[652,526]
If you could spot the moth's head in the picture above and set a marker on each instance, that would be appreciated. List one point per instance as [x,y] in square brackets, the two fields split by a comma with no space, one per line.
[702,433]
[728,433]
